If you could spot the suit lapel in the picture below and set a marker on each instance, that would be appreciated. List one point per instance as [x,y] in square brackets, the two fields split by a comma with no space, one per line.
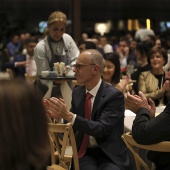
[81,101]
[99,98]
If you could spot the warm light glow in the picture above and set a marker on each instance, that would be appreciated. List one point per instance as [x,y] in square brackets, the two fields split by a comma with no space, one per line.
[148,23]
[102,28]
[136,24]
[129,24]
[133,24]
[121,25]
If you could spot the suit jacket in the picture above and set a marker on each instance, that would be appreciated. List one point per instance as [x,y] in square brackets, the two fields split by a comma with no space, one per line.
[148,84]
[106,124]
[146,131]
[18,71]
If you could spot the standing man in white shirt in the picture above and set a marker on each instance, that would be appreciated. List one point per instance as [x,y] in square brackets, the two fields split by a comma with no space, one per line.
[143,31]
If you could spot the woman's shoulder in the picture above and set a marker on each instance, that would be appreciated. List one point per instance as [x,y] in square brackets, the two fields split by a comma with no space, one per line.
[41,44]
[146,73]
[67,37]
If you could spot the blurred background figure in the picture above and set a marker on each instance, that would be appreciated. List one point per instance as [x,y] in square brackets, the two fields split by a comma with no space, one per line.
[123,51]
[131,59]
[103,43]
[24,139]
[4,56]
[23,37]
[84,45]
[151,38]
[84,36]
[158,42]
[23,63]
[143,31]
[14,46]
[142,53]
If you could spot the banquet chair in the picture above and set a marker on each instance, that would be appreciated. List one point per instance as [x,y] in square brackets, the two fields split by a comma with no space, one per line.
[10,72]
[63,145]
[55,167]
[4,76]
[134,147]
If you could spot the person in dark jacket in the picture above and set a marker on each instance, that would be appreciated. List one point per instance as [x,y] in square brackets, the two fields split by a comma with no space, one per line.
[148,129]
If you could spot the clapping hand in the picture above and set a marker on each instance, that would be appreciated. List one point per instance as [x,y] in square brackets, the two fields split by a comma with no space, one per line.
[134,103]
[56,108]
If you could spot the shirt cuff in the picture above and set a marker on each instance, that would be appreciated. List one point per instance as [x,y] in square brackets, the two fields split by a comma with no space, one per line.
[15,64]
[73,119]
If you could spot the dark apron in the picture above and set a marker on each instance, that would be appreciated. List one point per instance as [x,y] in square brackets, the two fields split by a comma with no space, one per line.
[56,92]
[57,57]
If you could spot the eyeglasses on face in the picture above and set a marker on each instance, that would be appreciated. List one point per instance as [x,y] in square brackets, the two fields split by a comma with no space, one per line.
[79,66]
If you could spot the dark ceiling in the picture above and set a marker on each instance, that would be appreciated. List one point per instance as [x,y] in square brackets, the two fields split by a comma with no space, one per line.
[27,13]
[91,9]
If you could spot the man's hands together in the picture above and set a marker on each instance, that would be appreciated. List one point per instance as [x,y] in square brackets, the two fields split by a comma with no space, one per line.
[134,103]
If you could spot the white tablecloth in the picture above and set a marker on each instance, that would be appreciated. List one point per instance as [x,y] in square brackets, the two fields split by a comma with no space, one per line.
[130,116]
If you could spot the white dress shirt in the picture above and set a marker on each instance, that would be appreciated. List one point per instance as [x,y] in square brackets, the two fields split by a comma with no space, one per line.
[31,67]
[92,140]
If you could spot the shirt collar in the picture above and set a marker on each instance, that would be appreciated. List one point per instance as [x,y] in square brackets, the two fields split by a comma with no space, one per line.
[95,89]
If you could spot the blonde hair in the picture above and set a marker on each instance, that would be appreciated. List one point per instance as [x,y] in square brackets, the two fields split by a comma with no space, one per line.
[55,16]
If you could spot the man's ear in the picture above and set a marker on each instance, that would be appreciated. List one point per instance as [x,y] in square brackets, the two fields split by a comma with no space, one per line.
[96,69]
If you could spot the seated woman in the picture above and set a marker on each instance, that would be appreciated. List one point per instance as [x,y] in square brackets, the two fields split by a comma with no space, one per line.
[112,72]
[151,83]
[24,139]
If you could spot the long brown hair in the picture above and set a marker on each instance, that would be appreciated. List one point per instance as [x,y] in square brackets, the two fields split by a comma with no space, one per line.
[23,127]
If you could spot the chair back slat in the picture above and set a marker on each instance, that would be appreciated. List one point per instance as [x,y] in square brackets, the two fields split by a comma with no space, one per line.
[61,138]
[133,146]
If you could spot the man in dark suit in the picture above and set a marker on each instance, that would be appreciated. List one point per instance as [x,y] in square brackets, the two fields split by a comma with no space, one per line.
[23,63]
[106,150]
[148,129]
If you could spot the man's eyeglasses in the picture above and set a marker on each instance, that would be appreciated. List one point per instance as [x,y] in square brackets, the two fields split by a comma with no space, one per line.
[79,66]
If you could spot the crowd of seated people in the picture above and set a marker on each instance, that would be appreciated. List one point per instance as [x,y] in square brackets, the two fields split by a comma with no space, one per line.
[16,53]
[23,63]
[148,56]
[132,51]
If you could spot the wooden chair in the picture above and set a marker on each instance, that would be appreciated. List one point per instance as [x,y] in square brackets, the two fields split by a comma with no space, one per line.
[133,147]
[63,145]
[30,79]
[4,76]
[10,72]
[55,167]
